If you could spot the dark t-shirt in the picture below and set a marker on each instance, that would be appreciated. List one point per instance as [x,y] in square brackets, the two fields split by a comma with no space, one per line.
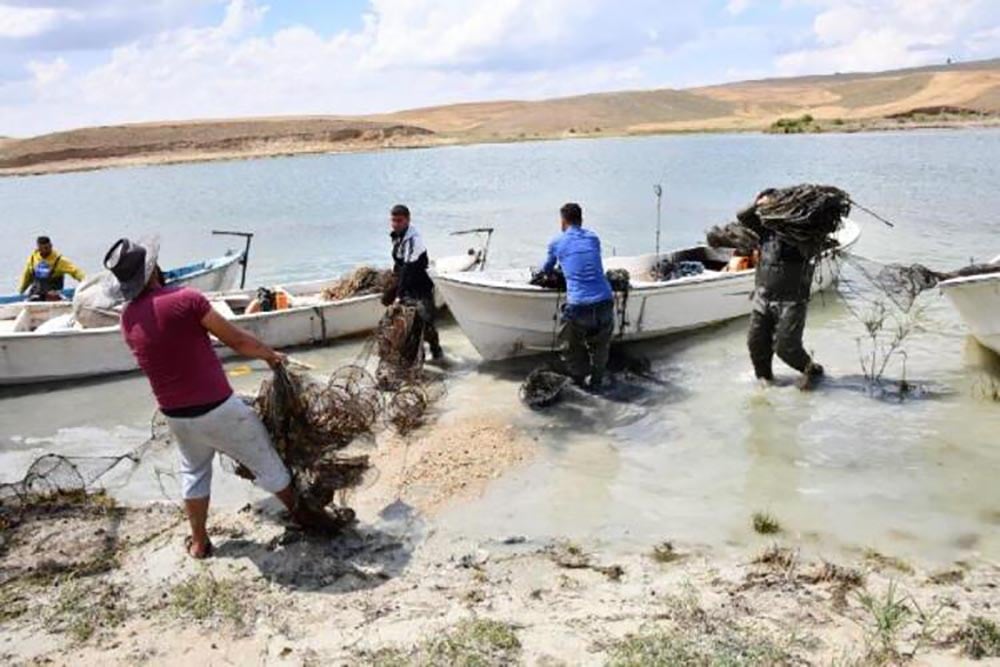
[163,329]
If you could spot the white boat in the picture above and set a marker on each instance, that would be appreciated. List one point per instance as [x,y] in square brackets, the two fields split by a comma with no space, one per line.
[28,355]
[503,316]
[212,275]
[977,300]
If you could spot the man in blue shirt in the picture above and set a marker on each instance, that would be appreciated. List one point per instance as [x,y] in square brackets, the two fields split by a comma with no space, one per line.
[588,316]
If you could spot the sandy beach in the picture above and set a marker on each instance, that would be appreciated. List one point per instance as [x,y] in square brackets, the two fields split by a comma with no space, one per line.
[87,582]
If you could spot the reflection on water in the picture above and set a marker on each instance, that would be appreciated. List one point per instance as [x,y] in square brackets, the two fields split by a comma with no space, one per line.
[687,454]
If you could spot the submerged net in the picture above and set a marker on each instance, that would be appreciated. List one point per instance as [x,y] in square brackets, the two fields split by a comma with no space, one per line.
[542,388]
[363,280]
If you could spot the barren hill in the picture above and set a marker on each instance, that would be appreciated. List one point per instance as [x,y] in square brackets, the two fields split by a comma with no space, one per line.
[196,140]
[735,106]
[940,95]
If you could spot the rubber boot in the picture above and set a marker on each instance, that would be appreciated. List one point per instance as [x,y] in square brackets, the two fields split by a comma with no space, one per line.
[811,377]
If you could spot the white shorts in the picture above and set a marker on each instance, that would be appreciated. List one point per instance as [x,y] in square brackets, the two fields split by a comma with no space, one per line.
[233,429]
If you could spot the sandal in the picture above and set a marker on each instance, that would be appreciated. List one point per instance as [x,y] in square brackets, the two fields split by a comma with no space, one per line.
[189,542]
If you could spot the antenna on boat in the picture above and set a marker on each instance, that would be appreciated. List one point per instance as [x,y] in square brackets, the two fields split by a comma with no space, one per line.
[658,191]
[247,238]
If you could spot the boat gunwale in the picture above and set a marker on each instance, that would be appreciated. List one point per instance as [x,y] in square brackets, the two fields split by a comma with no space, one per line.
[963,281]
[643,287]
[217,296]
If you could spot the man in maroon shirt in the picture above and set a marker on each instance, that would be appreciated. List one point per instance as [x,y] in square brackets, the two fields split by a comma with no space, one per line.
[167,329]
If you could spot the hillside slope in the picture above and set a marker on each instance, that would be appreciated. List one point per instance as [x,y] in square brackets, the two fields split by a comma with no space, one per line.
[943,95]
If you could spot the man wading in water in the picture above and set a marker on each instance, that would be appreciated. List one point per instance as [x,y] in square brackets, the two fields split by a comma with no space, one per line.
[589,314]
[167,329]
[784,278]
[410,262]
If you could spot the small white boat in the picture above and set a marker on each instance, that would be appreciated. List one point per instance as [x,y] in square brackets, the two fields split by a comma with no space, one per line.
[977,300]
[503,316]
[212,275]
[30,353]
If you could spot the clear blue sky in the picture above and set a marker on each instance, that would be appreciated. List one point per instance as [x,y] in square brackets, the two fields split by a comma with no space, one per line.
[66,63]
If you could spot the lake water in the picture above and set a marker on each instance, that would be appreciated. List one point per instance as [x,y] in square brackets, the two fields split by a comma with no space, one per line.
[693,455]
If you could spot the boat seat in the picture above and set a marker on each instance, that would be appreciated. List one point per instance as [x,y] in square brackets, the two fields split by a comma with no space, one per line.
[23,321]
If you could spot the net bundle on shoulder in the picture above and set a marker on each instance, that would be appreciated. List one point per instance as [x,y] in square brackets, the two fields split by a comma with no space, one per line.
[805,216]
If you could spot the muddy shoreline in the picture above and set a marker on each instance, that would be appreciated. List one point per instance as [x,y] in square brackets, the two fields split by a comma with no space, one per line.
[264,147]
[84,581]
[396,592]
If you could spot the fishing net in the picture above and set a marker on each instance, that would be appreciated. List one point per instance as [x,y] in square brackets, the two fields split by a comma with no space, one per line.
[554,279]
[619,279]
[310,423]
[542,388]
[363,280]
[399,341]
[667,269]
[93,305]
[903,283]
[52,477]
[802,215]
[733,235]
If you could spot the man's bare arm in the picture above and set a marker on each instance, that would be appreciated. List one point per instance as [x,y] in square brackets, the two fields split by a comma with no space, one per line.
[240,340]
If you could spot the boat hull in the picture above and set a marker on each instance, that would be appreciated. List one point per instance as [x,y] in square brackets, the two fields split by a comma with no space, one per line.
[505,319]
[30,357]
[27,358]
[214,275]
[977,300]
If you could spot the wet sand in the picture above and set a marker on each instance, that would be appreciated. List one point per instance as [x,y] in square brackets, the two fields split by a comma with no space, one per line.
[396,591]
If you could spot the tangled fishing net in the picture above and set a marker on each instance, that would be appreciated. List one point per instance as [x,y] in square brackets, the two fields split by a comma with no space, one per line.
[313,423]
[364,280]
[619,279]
[733,235]
[554,279]
[542,388]
[903,283]
[667,269]
[804,216]
[310,424]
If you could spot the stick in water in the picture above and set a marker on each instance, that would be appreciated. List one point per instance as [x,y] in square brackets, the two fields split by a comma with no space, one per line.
[872,213]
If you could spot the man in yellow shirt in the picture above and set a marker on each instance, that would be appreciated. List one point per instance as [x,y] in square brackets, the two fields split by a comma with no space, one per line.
[45,272]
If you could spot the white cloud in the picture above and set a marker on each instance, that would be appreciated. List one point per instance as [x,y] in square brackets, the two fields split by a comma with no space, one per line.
[47,73]
[410,53]
[21,22]
[737,7]
[850,35]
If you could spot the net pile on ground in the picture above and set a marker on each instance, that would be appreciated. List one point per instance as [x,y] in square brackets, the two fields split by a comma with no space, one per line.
[804,216]
[363,280]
